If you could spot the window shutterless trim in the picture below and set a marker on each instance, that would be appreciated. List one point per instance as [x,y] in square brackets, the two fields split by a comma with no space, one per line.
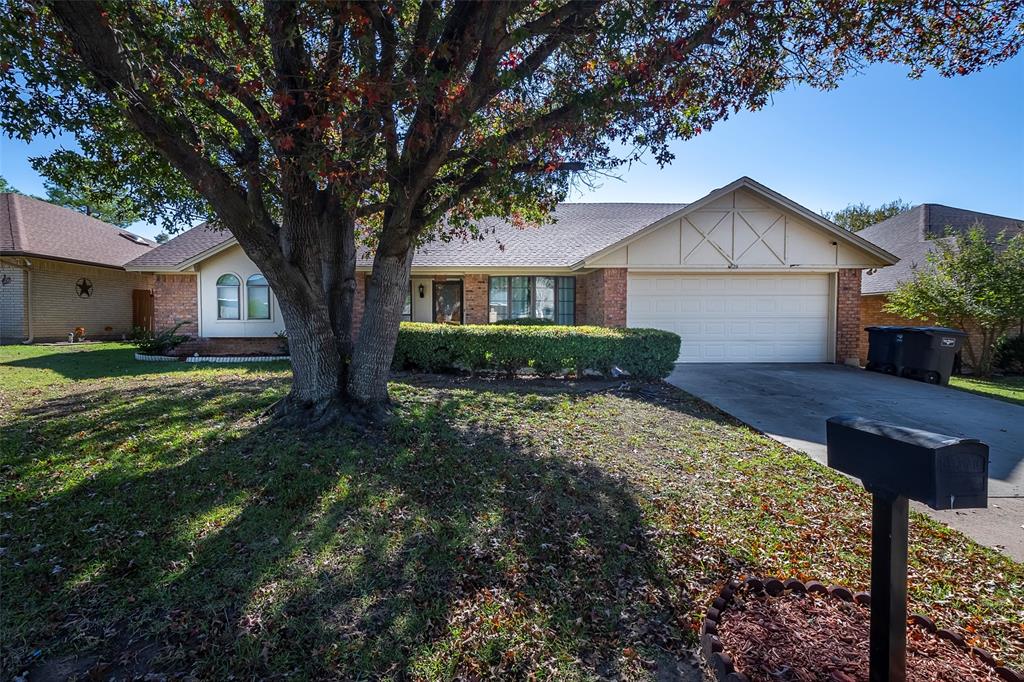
[531,295]
[238,295]
[248,287]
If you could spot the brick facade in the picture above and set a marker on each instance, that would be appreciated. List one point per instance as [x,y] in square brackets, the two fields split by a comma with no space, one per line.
[175,300]
[601,298]
[848,322]
[246,345]
[47,292]
[475,299]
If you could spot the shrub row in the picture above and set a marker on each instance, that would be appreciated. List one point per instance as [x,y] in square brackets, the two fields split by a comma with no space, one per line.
[547,349]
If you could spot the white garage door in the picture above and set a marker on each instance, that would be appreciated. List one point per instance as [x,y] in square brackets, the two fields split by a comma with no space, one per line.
[736,318]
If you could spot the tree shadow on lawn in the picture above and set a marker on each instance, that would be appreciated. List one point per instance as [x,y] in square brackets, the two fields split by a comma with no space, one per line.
[88,363]
[210,545]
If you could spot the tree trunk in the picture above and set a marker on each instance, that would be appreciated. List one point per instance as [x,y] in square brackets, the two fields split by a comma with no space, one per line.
[371,360]
[317,395]
[311,270]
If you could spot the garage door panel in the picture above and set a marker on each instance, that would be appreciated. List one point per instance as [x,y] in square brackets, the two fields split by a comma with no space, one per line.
[736,318]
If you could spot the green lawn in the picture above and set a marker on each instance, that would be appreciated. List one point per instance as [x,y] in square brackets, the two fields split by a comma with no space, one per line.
[152,523]
[1010,389]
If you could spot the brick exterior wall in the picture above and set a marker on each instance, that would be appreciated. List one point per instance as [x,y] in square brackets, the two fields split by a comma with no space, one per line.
[601,298]
[614,297]
[48,292]
[175,300]
[871,315]
[474,299]
[848,322]
[231,346]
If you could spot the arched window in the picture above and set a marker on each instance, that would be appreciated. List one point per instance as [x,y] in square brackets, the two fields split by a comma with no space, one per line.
[228,287]
[257,297]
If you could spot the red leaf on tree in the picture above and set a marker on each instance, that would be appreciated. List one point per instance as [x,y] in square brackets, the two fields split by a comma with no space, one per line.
[286,143]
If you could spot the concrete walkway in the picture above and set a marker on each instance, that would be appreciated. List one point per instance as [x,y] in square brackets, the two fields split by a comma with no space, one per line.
[790,403]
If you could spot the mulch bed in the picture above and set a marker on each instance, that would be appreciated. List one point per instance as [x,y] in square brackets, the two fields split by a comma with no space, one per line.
[776,631]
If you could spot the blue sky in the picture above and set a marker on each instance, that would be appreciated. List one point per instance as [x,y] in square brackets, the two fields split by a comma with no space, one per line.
[878,137]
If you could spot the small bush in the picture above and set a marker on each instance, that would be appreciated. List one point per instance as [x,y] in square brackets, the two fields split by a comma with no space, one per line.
[526,322]
[548,349]
[1010,354]
[160,342]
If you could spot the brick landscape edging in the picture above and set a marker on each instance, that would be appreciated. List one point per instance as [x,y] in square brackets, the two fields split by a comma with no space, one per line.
[721,663]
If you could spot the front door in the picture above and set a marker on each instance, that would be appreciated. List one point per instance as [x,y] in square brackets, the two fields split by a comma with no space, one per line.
[448,302]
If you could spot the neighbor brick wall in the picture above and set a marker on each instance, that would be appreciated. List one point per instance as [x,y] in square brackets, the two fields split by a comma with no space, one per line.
[601,298]
[848,323]
[56,308]
[871,315]
[474,299]
[174,301]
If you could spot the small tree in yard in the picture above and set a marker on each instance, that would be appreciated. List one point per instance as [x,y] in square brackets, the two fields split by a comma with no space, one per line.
[856,217]
[969,282]
[310,129]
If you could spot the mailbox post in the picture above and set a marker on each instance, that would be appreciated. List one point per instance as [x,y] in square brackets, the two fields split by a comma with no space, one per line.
[897,464]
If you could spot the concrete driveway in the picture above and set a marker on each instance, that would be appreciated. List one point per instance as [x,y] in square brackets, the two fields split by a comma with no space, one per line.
[790,403]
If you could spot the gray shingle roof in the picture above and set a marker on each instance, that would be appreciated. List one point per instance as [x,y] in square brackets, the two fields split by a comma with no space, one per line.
[907,235]
[577,231]
[182,248]
[33,227]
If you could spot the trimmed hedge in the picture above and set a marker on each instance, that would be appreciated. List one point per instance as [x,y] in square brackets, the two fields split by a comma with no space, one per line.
[547,349]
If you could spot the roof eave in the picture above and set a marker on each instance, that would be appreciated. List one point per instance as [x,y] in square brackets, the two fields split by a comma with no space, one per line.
[188,263]
[75,261]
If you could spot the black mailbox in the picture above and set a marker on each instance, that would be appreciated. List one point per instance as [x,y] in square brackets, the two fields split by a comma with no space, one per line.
[944,472]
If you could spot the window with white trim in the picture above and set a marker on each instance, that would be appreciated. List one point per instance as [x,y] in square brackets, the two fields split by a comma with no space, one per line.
[257,298]
[228,294]
[548,298]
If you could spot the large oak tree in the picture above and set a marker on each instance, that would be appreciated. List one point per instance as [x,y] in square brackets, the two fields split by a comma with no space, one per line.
[309,130]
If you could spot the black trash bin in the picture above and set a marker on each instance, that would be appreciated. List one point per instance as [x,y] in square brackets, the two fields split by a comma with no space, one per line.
[928,353]
[885,349]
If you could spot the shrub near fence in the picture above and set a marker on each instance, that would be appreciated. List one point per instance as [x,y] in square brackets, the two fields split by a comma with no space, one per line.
[547,349]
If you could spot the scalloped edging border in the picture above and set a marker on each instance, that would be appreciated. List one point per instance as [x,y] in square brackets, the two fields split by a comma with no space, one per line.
[237,358]
[142,357]
[721,663]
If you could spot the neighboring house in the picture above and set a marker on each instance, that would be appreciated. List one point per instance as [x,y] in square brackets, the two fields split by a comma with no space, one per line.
[60,269]
[911,236]
[743,275]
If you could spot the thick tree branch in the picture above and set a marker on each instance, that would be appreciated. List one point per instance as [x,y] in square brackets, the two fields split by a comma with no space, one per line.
[100,50]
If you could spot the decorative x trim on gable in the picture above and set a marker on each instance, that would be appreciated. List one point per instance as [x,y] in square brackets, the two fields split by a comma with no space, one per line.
[761,236]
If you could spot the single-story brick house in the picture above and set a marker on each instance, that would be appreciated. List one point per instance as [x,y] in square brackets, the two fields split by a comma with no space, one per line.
[61,269]
[911,236]
[743,275]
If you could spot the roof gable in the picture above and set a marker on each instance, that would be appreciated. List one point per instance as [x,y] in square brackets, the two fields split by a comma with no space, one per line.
[184,249]
[761,240]
[32,227]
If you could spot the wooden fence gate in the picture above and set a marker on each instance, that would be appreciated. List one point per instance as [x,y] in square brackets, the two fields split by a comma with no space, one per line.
[142,309]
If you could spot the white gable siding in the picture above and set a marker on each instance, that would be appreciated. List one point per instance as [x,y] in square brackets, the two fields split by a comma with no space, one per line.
[739,230]
[234,261]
